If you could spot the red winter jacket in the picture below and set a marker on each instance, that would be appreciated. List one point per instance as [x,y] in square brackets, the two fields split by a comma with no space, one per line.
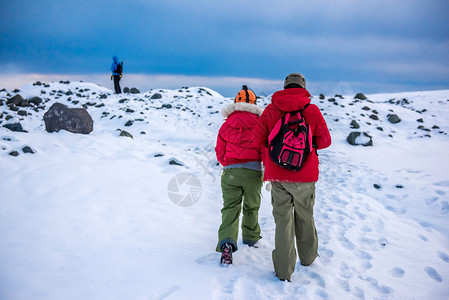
[282,102]
[236,135]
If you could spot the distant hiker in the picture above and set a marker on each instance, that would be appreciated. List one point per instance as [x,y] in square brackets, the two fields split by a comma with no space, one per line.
[293,192]
[242,176]
[117,70]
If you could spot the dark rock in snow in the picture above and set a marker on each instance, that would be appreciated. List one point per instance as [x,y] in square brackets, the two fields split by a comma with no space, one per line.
[354,124]
[376,186]
[175,162]
[156,96]
[22,113]
[103,96]
[126,90]
[129,123]
[355,134]
[420,120]
[374,117]
[126,133]
[393,118]
[16,100]
[166,106]
[366,108]
[35,100]
[75,120]
[360,96]
[322,96]
[17,127]
[14,153]
[135,91]
[27,149]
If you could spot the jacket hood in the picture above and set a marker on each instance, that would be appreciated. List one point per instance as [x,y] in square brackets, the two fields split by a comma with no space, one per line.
[290,99]
[242,106]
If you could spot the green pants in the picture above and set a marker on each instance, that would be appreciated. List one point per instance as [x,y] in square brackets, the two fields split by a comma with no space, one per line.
[240,185]
[293,215]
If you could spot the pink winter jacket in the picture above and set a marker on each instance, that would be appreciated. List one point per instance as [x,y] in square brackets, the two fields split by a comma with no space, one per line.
[236,135]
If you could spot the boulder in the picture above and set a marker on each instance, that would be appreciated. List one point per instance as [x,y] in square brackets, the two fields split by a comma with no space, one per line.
[393,118]
[126,90]
[134,91]
[353,139]
[354,124]
[126,133]
[35,100]
[16,100]
[360,96]
[156,96]
[75,120]
[17,127]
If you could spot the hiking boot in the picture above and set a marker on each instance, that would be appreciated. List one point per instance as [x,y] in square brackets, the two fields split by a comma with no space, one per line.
[226,254]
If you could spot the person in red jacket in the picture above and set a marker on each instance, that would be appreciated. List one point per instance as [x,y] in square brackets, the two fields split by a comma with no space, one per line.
[293,192]
[241,180]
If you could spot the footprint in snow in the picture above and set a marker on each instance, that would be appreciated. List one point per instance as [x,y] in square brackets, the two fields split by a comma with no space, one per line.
[443,256]
[397,272]
[432,273]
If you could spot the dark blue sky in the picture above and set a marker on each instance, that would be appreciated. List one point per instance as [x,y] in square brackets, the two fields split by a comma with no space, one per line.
[371,46]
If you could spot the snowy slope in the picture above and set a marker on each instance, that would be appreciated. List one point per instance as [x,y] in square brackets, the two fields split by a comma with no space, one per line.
[92,217]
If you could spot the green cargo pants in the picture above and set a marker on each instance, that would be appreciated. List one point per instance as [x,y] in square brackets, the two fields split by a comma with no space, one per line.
[293,215]
[240,185]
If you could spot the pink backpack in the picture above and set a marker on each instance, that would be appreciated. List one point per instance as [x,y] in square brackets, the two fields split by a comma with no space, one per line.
[290,141]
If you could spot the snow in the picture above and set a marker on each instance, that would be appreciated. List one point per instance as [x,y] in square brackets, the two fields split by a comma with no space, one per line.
[91,217]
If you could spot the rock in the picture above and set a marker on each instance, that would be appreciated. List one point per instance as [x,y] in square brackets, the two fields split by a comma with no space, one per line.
[129,110]
[75,120]
[354,124]
[126,90]
[14,153]
[352,139]
[123,100]
[420,120]
[135,91]
[166,106]
[68,93]
[374,117]
[376,186]
[158,155]
[22,113]
[393,118]
[366,108]
[156,96]
[322,96]
[16,100]
[129,123]
[27,149]
[103,96]
[126,133]
[175,162]
[339,96]
[360,96]
[17,127]
[35,100]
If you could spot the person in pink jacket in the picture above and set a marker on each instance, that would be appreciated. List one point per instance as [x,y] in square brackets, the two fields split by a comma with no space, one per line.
[241,181]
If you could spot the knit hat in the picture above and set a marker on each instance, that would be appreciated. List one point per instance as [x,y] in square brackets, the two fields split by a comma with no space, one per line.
[295,78]
[245,95]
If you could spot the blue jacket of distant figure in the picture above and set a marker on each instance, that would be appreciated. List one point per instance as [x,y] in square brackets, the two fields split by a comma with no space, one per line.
[114,65]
